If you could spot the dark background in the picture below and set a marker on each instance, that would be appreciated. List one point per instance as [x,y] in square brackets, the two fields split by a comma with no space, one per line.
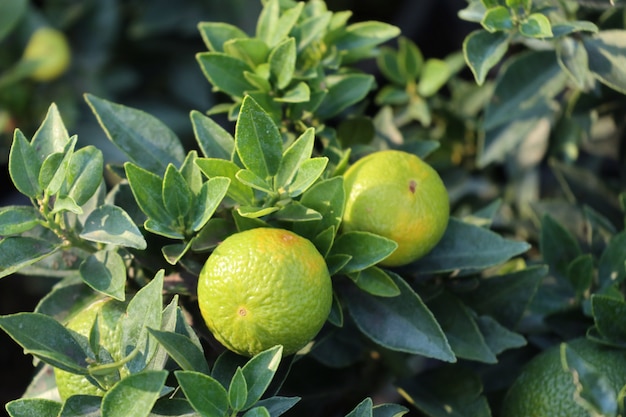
[153,68]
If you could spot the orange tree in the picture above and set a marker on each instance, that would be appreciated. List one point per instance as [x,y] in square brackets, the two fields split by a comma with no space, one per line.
[517,270]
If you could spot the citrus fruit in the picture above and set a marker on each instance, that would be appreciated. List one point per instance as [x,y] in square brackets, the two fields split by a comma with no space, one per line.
[545,389]
[49,49]
[109,313]
[264,287]
[396,195]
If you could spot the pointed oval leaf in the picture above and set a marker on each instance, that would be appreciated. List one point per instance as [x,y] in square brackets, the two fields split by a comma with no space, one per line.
[214,34]
[483,50]
[24,166]
[497,19]
[282,61]
[344,91]
[18,252]
[225,72]
[207,396]
[276,405]
[296,212]
[54,168]
[51,136]
[326,197]
[267,23]
[293,157]
[147,189]
[259,372]
[214,168]
[363,409]
[17,219]
[84,174]
[310,170]
[257,139]
[435,74]
[608,314]
[134,395]
[376,282]
[388,63]
[401,323]
[176,194]
[536,25]
[558,247]
[182,350]
[208,200]
[607,57]
[142,137]
[104,271]
[29,407]
[253,51]
[250,179]
[409,58]
[112,225]
[213,139]
[366,249]
[366,35]
[301,93]
[237,391]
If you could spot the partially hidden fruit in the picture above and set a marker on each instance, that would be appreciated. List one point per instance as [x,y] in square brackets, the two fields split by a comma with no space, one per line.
[109,313]
[50,52]
[545,389]
[265,287]
[397,195]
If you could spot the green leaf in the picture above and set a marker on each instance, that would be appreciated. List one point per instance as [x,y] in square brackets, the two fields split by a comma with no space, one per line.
[225,72]
[401,323]
[409,59]
[213,139]
[276,405]
[376,282]
[84,174]
[147,189]
[580,273]
[257,412]
[207,396]
[363,409]
[10,14]
[497,19]
[134,395]
[611,268]
[309,172]
[215,34]
[573,59]
[296,212]
[343,91]
[312,28]
[505,297]
[536,25]
[608,314]
[466,246]
[301,93]
[212,168]
[112,225]
[47,339]
[460,328]
[143,138]
[389,410]
[211,195]
[558,246]
[251,179]
[267,22]
[483,50]
[24,166]
[293,157]
[368,34]
[365,249]
[18,252]
[81,406]
[259,372]
[498,337]
[257,140]
[435,74]
[17,219]
[54,168]
[528,79]
[182,350]
[448,391]
[29,407]
[253,51]
[104,271]
[563,29]
[282,61]
[144,311]
[237,391]
[594,391]
[607,57]
[51,137]
[388,63]
[177,196]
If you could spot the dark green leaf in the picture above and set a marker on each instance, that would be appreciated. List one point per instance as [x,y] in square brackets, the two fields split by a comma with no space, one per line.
[259,372]
[580,273]
[147,189]
[51,137]
[483,50]
[497,19]
[389,66]
[213,139]
[112,225]
[10,14]
[277,406]
[368,34]
[257,140]
[238,191]
[608,316]
[498,337]
[134,395]
[47,339]
[376,282]
[104,271]
[17,252]
[409,59]
[143,138]
[144,311]
[24,166]
[81,406]
[611,267]
[54,168]
[214,34]
[225,72]
[237,391]
[17,219]
[466,246]
[363,409]
[366,249]
[177,196]
[574,60]
[282,62]
[84,174]
[173,407]
[207,396]
[182,350]
[257,412]
[389,410]
[29,407]
[401,323]
[557,245]
[506,297]
[296,212]
[344,91]
[461,329]
[211,195]
[536,25]
[563,29]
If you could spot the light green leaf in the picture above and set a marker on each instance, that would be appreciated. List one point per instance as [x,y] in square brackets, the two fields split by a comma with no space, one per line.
[215,34]
[84,174]
[54,168]
[573,59]
[51,136]
[104,271]
[24,166]
[213,139]
[253,51]
[368,34]
[402,323]
[146,140]
[483,50]
[18,252]
[567,28]
[257,140]
[225,72]
[267,23]
[312,28]
[435,74]
[283,62]
[409,58]
[607,58]
[363,409]
[250,179]
[211,195]
[536,25]
[296,212]
[112,225]
[182,350]
[29,407]
[17,219]
[376,282]
[301,93]
[366,249]
[310,170]
[497,19]
[134,395]
[257,412]
[387,61]
[207,396]
[213,168]
[255,212]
